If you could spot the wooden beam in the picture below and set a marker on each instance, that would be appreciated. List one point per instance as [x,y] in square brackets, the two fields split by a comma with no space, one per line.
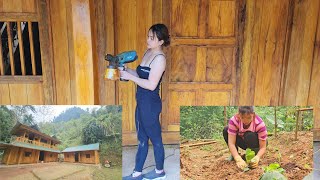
[33,63]
[23,65]
[297,123]
[4,16]
[1,61]
[20,154]
[198,144]
[10,44]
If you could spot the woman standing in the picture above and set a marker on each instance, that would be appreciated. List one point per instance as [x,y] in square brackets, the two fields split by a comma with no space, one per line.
[148,77]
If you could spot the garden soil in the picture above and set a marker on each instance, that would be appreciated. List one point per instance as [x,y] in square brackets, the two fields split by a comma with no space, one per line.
[209,161]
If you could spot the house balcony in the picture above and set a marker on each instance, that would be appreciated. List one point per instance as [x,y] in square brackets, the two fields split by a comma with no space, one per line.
[33,142]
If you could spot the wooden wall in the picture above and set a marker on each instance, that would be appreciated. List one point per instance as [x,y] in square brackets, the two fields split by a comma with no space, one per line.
[29,89]
[69,157]
[50,157]
[16,155]
[94,157]
[73,51]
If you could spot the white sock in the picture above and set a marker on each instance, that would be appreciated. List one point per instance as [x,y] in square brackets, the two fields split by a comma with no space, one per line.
[159,171]
[136,174]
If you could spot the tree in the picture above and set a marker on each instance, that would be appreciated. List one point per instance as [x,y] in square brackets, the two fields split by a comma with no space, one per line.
[6,123]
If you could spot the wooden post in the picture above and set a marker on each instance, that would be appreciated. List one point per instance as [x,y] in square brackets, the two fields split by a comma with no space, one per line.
[23,65]
[275,121]
[296,135]
[9,156]
[20,154]
[10,44]
[1,61]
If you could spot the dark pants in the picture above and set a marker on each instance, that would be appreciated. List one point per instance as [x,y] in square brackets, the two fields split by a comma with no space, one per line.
[148,127]
[250,140]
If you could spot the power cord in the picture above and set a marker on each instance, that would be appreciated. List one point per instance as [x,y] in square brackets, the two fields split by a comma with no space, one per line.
[164,158]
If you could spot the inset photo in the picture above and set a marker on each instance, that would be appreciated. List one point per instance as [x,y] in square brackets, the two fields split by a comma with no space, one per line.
[60,142]
[246,142]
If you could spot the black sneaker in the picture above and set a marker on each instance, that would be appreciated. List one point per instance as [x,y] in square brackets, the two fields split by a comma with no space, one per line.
[152,175]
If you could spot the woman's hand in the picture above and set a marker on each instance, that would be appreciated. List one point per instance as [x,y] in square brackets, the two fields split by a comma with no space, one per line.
[240,162]
[254,162]
[125,75]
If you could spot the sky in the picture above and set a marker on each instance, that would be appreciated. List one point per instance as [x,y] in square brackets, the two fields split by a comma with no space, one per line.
[46,113]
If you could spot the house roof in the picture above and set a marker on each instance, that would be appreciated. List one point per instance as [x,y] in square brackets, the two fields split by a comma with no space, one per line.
[87,147]
[3,145]
[21,128]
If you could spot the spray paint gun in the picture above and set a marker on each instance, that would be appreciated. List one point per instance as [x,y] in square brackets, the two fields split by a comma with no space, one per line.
[112,72]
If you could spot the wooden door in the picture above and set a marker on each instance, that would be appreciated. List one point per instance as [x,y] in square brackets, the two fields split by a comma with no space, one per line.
[202,60]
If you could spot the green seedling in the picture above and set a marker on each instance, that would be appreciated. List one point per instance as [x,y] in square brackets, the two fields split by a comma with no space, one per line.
[274,167]
[249,155]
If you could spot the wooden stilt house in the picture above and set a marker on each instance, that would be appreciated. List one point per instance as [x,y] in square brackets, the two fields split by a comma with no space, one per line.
[82,154]
[28,145]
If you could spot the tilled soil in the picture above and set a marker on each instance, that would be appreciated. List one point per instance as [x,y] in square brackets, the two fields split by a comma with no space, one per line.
[209,161]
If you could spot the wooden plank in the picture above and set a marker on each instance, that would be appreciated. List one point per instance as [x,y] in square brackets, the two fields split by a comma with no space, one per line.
[201,64]
[29,6]
[219,68]
[12,6]
[314,92]
[297,83]
[271,47]
[10,44]
[95,21]
[185,18]
[4,16]
[204,11]
[82,49]
[157,11]
[221,19]
[109,92]
[1,61]
[60,47]
[197,86]
[23,68]
[1,6]
[214,98]
[227,42]
[254,9]
[18,93]
[33,63]
[5,94]
[167,137]
[183,65]
[35,94]
[20,79]
[126,38]
[179,98]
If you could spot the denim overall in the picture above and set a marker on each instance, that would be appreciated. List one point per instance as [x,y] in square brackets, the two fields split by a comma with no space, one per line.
[148,109]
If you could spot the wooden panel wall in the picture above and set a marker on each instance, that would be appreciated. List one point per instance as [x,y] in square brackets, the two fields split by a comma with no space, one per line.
[71,157]
[314,94]
[91,160]
[16,93]
[74,52]
[18,6]
[50,157]
[263,51]
[299,69]
[29,89]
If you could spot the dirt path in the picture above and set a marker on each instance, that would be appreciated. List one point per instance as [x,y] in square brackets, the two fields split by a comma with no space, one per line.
[54,171]
[208,162]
